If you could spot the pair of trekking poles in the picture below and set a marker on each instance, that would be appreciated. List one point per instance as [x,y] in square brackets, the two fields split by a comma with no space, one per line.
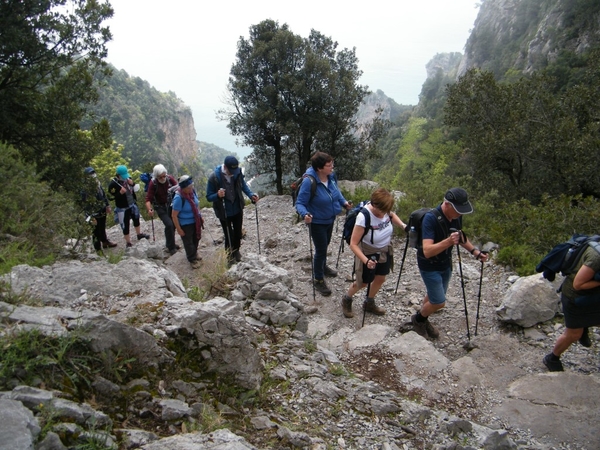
[227,224]
[371,273]
[462,282]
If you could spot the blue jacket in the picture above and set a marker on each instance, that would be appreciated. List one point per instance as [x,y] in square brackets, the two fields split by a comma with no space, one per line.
[325,205]
[186,213]
[231,208]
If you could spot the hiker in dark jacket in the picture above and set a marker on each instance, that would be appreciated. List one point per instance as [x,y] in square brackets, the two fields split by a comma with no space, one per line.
[225,189]
[122,188]
[319,212]
[580,298]
[434,258]
[96,208]
[157,201]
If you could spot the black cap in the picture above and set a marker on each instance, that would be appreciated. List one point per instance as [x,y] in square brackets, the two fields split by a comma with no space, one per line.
[459,199]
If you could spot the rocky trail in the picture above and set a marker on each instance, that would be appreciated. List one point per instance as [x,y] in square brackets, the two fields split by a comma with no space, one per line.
[494,376]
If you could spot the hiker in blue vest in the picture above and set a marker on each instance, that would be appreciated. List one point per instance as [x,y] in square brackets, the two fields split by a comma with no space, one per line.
[319,212]
[122,188]
[225,188]
[580,298]
[157,201]
[434,258]
[374,240]
[187,219]
[97,207]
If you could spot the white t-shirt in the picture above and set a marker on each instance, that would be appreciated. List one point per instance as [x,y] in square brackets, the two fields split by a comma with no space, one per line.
[382,229]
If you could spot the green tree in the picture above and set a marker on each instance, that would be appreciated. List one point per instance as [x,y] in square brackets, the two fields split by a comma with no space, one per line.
[50,51]
[290,96]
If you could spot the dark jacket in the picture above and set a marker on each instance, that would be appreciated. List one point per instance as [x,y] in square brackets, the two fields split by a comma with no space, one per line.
[114,190]
[158,192]
[215,182]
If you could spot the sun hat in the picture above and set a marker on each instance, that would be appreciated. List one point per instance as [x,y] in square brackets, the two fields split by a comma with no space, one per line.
[459,199]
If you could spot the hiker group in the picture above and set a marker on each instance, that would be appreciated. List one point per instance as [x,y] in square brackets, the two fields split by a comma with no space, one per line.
[176,203]
[370,234]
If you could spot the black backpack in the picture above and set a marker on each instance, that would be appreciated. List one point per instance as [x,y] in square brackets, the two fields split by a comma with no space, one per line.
[296,187]
[415,221]
[350,221]
[564,257]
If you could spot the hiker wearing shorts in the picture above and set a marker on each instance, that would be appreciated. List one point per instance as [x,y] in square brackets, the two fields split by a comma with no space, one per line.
[434,257]
[580,297]
[372,242]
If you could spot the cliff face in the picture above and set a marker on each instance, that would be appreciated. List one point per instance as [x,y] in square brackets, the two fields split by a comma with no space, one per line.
[179,145]
[527,35]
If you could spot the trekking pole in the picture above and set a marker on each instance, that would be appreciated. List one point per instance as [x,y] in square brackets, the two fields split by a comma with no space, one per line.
[479,296]
[227,227]
[312,269]
[371,272]
[401,265]
[211,236]
[152,221]
[257,230]
[462,282]
[340,251]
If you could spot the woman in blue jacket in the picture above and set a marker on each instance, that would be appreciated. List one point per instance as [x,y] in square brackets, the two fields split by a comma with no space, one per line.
[187,219]
[319,212]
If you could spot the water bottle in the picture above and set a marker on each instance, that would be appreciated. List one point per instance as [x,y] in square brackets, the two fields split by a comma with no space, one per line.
[413,237]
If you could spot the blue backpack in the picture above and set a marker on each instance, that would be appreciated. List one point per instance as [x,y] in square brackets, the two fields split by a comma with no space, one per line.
[564,257]
[350,221]
[145,178]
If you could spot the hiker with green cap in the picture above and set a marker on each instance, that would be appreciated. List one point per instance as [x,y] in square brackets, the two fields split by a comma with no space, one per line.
[122,188]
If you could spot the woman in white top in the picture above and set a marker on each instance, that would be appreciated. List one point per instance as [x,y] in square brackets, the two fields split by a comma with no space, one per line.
[372,249]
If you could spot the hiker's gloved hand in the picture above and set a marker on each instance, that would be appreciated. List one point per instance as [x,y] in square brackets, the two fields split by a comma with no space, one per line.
[308,218]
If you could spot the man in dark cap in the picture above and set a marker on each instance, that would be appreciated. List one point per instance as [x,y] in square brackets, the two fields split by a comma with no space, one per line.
[225,189]
[441,231]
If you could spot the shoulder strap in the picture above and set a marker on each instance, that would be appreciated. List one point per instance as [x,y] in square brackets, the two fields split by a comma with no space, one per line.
[368,227]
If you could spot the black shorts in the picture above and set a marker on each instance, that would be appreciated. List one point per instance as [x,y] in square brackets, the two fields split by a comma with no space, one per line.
[380,269]
[581,312]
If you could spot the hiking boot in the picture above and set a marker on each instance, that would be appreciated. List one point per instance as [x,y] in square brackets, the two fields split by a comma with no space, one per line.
[585,338]
[371,307]
[172,251]
[347,307]
[143,236]
[237,255]
[322,287]
[419,327]
[431,330]
[195,263]
[107,244]
[129,245]
[329,272]
[553,365]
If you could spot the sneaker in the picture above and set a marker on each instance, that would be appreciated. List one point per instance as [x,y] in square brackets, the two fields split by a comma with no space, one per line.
[195,264]
[419,327]
[129,245]
[431,330]
[551,364]
[107,244]
[172,251]
[322,287]
[143,236]
[585,338]
[329,272]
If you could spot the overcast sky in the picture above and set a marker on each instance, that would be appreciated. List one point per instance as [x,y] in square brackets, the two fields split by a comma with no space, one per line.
[188,46]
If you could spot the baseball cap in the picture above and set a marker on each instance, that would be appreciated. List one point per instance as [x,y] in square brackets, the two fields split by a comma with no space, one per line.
[122,172]
[459,199]
[232,165]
